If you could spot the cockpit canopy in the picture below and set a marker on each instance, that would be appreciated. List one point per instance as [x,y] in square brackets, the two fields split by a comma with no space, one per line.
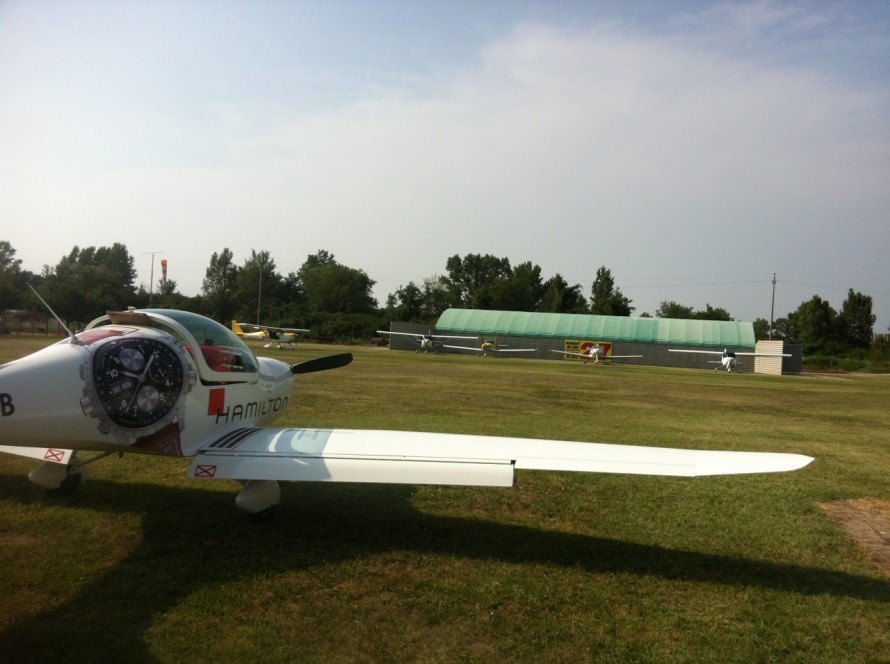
[220,356]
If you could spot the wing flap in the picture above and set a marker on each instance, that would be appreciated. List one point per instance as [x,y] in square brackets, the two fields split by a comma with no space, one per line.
[335,469]
[347,455]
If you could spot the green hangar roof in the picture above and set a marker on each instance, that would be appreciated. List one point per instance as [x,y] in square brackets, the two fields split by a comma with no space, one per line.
[599,328]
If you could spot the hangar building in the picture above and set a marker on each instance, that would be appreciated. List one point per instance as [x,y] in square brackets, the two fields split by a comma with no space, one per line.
[650,337]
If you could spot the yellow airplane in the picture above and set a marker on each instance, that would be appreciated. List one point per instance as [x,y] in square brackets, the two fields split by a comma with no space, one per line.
[272,335]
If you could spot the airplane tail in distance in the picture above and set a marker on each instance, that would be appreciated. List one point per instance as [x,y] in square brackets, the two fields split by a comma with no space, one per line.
[237,328]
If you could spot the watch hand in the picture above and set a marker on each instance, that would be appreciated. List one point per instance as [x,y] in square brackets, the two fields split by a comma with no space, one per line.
[148,364]
[141,379]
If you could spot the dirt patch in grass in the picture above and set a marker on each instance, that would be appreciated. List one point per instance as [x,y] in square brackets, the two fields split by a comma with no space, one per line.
[867,521]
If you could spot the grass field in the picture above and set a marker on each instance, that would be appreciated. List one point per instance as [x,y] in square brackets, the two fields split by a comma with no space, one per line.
[143,565]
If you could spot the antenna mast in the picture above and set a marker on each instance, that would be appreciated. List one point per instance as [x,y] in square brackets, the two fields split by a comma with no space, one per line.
[55,315]
[151,279]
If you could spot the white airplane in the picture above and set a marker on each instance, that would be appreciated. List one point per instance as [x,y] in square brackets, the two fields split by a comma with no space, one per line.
[490,346]
[165,382]
[272,335]
[594,353]
[727,357]
[427,342]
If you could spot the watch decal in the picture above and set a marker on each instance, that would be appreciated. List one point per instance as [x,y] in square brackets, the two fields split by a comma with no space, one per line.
[135,383]
[137,380]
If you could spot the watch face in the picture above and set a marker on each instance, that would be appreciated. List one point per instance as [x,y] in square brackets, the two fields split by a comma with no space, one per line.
[137,380]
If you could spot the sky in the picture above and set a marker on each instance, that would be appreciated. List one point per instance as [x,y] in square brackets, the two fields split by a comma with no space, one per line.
[693,148]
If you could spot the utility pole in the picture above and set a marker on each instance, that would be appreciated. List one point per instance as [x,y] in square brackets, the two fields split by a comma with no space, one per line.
[259,296]
[772,308]
[151,279]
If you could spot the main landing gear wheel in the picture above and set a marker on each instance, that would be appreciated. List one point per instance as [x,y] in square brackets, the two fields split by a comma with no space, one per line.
[258,497]
[59,478]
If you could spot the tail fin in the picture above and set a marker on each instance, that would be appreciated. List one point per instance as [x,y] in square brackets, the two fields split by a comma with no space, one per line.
[237,328]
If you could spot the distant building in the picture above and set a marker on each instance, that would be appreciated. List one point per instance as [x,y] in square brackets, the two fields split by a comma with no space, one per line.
[650,337]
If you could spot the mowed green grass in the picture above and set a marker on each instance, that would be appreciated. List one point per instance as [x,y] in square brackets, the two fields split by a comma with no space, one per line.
[142,564]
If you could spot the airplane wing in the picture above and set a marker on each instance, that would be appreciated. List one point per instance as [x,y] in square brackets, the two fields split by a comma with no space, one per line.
[475,348]
[56,455]
[401,334]
[567,352]
[514,350]
[413,334]
[402,457]
[736,352]
[703,352]
[603,357]
[277,329]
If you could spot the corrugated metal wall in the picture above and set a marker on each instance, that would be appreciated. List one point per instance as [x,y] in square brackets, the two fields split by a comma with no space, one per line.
[769,365]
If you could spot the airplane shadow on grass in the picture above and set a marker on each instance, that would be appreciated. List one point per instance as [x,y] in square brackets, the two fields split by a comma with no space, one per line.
[192,539]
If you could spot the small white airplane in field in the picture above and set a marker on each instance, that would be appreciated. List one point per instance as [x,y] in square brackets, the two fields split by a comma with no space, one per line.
[594,352]
[727,357]
[272,335]
[166,382]
[427,343]
[490,347]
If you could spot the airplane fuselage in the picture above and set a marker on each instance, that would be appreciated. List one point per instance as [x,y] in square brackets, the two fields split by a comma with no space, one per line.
[728,360]
[595,353]
[122,387]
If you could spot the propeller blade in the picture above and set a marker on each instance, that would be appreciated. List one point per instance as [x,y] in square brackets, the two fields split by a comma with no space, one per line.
[322,363]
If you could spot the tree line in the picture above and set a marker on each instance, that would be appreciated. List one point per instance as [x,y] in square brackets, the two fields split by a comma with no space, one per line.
[336,301]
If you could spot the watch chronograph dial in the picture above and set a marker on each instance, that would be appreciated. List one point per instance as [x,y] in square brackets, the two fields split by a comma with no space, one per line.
[137,380]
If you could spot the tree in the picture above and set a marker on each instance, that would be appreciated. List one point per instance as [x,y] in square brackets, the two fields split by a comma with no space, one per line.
[521,290]
[88,282]
[605,298]
[168,297]
[11,278]
[671,309]
[406,304]
[257,286]
[167,287]
[856,321]
[787,328]
[817,326]
[438,295]
[318,259]
[559,297]
[331,287]
[218,287]
[419,304]
[761,329]
[473,278]
[710,313]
